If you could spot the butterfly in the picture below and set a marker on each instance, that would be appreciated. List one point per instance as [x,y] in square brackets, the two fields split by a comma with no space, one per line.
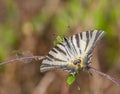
[74,53]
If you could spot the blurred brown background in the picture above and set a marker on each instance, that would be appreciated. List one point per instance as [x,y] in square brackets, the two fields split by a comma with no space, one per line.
[32,25]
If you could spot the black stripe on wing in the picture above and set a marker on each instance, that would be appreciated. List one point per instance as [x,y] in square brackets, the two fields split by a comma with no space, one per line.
[58,53]
[77,40]
[54,51]
[68,47]
[54,58]
[67,43]
[98,35]
[72,42]
[91,33]
[81,36]
[60,50]
[95,36]
[47,67]
[66,50]
[48,58]
[87,39]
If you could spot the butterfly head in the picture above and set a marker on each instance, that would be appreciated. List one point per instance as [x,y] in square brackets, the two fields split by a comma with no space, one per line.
[81,63]
[78,63]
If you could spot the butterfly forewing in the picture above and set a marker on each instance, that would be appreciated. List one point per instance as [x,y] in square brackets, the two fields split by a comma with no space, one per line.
[74,47]
[58,57]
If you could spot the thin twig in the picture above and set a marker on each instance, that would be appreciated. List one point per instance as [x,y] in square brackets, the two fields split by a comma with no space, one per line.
[22,58]
[105,75]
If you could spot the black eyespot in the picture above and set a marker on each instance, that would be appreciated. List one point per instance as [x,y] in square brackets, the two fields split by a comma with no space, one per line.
[76,62]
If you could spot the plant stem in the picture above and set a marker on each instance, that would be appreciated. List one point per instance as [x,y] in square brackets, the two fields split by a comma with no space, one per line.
[22,58]
[105,75]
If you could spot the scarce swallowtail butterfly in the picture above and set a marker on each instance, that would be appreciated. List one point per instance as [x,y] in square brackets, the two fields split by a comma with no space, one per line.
[74,53]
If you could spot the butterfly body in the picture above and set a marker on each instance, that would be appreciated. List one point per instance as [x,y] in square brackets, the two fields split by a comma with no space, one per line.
[74,53]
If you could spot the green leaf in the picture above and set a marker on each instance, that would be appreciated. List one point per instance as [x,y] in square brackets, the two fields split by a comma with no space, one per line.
[58,40]
[70,79]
